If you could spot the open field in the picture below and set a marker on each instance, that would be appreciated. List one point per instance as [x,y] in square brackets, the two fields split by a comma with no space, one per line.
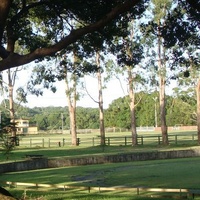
[116,145]
[174,173]
[112,138]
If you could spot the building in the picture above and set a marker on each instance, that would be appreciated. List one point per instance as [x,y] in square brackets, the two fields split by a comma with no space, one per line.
[24,128]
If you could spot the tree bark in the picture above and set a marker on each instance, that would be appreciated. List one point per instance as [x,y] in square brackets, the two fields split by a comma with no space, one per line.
[101,112]
[71,98]
[132,106]
[11,103]
[198,110]
[162,100]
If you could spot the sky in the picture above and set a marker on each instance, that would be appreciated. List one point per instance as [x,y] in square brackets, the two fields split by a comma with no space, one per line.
[112,91]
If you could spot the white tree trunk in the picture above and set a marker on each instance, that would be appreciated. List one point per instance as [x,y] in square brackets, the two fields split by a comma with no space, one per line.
[101,112]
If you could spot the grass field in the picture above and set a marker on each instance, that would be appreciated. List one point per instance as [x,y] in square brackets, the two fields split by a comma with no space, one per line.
[174,173]
[185,140]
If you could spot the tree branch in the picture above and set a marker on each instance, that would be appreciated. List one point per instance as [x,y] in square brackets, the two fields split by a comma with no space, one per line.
[14,60]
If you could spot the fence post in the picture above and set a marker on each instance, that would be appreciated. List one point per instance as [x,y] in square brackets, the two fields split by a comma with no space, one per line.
[43,142]
[30,142]
[159,140]
[125,141]
[193,137]
[138,191]
[176,139]
[49,142]
[142,140]
[93,141]
[108,141]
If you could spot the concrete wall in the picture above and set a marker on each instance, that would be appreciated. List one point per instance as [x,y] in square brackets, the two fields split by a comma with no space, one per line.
[43,163]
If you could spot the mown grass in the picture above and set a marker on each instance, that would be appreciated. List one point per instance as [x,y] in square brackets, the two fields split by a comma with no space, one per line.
[174,173]
[86,147]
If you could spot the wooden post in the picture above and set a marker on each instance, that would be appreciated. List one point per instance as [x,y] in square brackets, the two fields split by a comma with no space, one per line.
[176,139]
[108,141]
[142,140]
[159,140]
[125,141]
[93,141]
[43,142]
[138,191]
[30,142]
[49,143]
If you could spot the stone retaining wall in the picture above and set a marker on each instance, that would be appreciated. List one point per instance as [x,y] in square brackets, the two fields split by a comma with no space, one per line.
[43,163]
[24,165]
[141,156]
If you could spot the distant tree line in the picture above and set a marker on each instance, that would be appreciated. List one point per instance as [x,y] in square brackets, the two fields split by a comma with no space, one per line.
[180,110]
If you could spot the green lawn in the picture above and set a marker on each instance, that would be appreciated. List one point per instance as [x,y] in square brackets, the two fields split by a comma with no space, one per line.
[86,147]
[173,173]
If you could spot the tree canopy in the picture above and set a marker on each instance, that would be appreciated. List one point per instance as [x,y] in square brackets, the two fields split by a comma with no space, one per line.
[45,27]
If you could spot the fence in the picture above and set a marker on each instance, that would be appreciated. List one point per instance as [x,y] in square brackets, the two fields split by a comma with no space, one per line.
[135,190]
[156,139]
[63,140]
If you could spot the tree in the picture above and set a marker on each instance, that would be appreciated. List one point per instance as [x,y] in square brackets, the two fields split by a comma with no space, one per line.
[38,25]
[154,29]
[129,55]
[182,32]
[5,128]
[71,92]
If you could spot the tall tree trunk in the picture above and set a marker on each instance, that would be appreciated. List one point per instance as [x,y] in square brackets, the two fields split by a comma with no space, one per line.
[71,98]
[72,113]
[101,112]
[11,83]
[198,110]
[162,100]
[11,103]
[132,106]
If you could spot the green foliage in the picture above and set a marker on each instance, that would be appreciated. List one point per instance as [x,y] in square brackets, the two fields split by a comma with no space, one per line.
[180,110]
[87,118]
[7,143]
[118,114]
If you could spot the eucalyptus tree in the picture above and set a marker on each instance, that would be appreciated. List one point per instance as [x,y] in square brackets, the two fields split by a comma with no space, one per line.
[71,75]
[16,96]
[159,11]
[182,33]
[129,54]
[99,45]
